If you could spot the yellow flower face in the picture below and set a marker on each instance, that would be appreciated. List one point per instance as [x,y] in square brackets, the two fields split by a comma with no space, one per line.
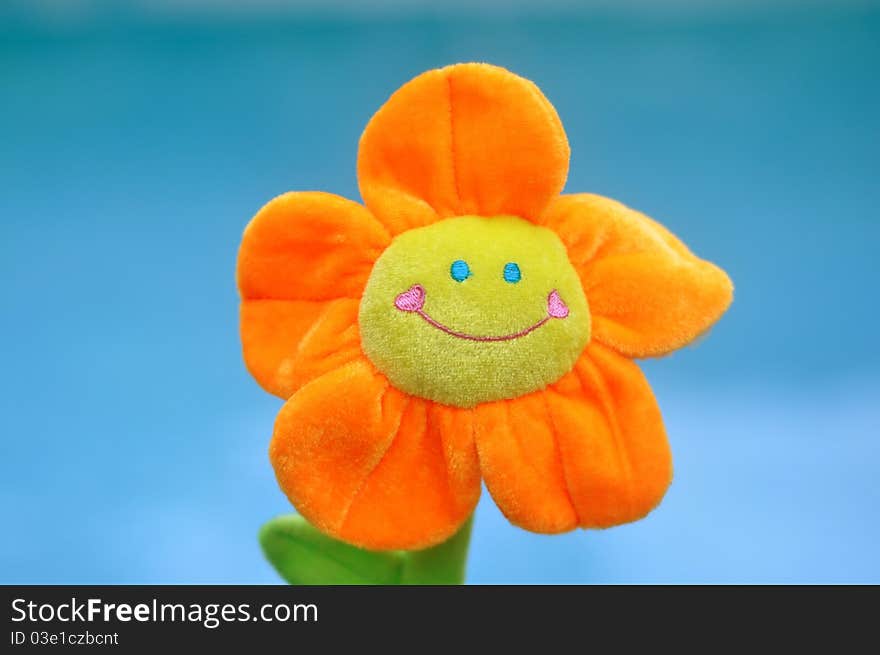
[471,309]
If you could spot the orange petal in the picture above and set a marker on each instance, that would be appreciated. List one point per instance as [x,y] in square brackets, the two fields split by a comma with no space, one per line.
[287,343]
[302,266]
[371,466]
[648,293]
[465,139]
[521,464]
[611,435]
[309,246]
[588,451]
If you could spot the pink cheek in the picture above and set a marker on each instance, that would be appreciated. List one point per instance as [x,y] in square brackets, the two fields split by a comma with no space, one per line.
[556,306]
[411,300]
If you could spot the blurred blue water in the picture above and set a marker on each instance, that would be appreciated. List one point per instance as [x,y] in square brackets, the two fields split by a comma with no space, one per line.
[132,153]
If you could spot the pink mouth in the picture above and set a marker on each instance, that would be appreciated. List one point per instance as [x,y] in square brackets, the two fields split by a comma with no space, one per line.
[413,300]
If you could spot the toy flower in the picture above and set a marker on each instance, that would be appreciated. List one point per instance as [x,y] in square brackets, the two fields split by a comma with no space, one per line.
[468,323]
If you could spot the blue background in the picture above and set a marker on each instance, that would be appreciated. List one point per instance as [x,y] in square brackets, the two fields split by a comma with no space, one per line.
[135,145]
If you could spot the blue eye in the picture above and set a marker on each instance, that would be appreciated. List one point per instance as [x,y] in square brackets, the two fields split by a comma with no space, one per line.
[512,273]
[459,270]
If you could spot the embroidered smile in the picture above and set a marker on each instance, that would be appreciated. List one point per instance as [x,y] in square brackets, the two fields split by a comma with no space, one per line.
[413,301]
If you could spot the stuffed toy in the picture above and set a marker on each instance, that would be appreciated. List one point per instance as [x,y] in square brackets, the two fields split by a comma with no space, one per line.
[467,324]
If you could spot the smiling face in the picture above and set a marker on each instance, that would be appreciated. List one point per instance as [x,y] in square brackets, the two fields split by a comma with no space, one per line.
[471,310]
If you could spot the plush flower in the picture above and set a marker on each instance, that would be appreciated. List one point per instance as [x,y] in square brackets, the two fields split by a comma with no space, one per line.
[468,323]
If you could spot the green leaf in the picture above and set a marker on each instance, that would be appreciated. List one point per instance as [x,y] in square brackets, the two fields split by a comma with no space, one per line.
[305,556]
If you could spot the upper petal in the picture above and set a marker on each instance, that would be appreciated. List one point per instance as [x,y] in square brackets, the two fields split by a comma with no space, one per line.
[588,451]
[287,343]
[309,246]
[303,262]
[648,293]
[372,466]
[465,139]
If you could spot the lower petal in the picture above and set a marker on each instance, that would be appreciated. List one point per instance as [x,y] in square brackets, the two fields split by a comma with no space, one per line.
[614,448]
[588,451]
[371,466]
[421,491]
[521,464]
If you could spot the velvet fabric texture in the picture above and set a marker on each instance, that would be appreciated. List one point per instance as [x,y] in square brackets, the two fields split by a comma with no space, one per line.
[487,336]
[375,460]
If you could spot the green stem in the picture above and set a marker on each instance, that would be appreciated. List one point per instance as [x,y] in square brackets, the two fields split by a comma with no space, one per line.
[443,564]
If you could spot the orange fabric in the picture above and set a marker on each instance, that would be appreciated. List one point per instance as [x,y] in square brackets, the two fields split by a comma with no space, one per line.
[466,139]
[589,451]
[648,293]
[288,343]
[521,463]
[362,462]
[302,265]
[309,246]
[377,468]
[613,442]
